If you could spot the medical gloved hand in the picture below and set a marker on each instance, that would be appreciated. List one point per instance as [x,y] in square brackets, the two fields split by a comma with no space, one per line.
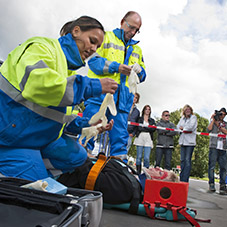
[93,131]
[137,68]
[101,115]
[133,80]
[89,132]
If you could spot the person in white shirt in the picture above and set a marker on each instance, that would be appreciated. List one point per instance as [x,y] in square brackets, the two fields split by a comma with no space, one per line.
[187,140]
[144,138]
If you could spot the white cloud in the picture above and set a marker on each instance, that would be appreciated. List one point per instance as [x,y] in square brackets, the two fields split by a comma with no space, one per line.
[187,61]
[184,43]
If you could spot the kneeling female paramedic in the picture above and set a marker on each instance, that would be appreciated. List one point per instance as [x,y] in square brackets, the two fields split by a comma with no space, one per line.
[38,88]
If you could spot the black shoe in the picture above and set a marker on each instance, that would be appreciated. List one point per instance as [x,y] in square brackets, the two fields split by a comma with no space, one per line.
[138,168]
[223,190]
[212,188]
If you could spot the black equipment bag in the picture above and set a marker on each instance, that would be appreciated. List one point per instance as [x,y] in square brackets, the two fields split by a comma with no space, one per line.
[116,183]
[32,208]
[91,201]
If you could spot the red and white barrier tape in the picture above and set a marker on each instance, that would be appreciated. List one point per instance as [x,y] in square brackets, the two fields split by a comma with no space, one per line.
[176,130]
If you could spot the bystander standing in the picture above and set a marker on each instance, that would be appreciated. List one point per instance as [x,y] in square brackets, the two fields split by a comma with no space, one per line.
[144,138]
[217,150]
[187,140]
[165,143]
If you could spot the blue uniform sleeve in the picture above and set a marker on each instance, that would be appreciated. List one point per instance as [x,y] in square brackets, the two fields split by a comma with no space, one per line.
[142,75]
[101,66]
[84,88]
[77,125]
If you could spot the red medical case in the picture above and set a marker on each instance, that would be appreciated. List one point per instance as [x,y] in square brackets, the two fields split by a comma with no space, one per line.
[166,192]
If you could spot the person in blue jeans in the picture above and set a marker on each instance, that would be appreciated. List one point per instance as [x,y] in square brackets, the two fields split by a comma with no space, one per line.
[165,142]
[144,138]
[187,140]
[217,150]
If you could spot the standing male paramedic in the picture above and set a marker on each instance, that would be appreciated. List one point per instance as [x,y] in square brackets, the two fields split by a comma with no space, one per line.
[116,57]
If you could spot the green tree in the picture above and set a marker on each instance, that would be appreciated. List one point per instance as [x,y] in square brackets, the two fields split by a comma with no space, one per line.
[175,117]
[201,151]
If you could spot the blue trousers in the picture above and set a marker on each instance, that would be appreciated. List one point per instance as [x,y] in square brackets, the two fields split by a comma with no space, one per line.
[62,155]
[147,151]
[216,155]
[129,142]
[167,153]
[186,156]
[118,135]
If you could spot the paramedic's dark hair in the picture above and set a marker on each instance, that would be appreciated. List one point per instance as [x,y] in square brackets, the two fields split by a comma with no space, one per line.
[65,28]
[85,23]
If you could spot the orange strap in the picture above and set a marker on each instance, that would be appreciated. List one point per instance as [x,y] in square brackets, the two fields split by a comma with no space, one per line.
[95,171]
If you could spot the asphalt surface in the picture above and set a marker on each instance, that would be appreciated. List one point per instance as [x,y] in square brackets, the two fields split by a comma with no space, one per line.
[208,205]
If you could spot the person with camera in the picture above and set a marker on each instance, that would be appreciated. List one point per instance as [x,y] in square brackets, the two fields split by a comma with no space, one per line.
[217,150]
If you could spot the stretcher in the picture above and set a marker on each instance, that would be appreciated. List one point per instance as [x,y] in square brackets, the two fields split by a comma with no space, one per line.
[165,201]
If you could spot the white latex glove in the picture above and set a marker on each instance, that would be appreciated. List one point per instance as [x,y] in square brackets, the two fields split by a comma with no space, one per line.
[133,80]
[89,132]
[107,102]
[101,115]
[137,68]
[38,185]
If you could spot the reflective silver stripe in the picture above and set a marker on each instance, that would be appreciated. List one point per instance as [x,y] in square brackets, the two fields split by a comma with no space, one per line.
[39,65]
[51,114]
[122,156]
[67,99]
[106,67]
[47,163]
[50,167]
[135,55]
[112,45]
[95,55]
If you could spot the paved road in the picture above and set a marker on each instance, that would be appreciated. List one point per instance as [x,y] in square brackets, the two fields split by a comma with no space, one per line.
[208,205]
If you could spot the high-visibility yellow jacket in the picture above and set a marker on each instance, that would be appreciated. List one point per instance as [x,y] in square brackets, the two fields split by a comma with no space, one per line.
[106,62]
[38,90]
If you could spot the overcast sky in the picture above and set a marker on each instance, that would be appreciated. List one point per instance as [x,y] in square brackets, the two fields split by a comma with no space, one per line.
[184,43]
